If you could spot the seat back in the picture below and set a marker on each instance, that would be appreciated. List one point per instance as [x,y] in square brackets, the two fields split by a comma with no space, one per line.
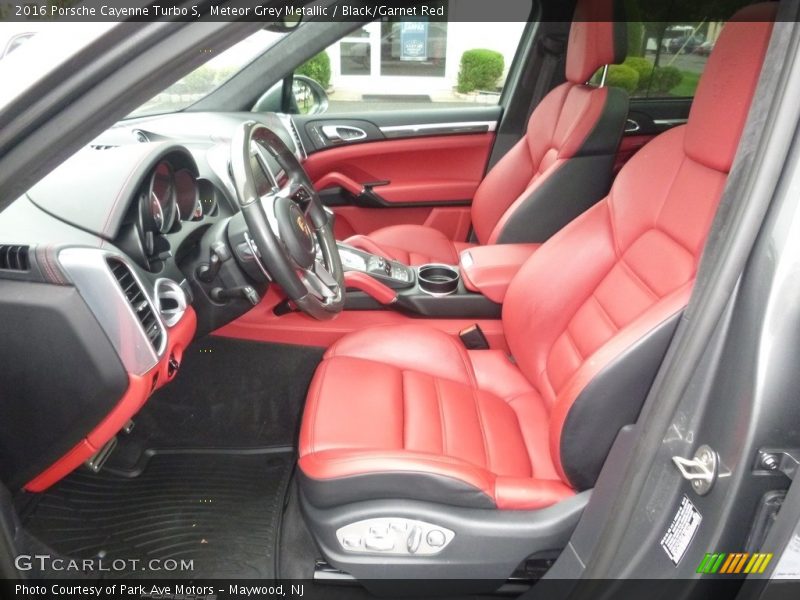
[564,162]
[589,317]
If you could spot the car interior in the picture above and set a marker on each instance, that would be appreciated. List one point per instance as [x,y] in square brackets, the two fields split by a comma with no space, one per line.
[283,349]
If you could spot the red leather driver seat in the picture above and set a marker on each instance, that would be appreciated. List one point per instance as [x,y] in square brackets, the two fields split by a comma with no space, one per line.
[405,413]
[561,166]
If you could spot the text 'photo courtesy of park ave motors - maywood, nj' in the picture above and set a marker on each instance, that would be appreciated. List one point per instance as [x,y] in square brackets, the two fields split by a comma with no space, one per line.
[159,591]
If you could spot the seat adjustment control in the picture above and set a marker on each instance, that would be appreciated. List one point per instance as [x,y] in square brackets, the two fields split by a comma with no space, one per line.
[414,539]
[394,535]
[436,538]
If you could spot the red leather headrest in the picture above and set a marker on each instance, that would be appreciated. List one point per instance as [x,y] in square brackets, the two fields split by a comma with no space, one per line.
[597,37]
[727,85]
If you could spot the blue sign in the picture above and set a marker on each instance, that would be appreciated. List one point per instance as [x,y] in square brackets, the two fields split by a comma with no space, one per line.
[414,40]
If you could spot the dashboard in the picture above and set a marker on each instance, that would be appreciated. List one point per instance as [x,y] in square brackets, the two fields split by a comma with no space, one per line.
[103,283]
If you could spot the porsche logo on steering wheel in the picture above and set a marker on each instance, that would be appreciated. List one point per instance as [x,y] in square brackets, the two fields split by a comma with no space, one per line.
[302,225]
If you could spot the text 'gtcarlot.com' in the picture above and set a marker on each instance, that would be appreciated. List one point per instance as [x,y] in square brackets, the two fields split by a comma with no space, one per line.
[45,562]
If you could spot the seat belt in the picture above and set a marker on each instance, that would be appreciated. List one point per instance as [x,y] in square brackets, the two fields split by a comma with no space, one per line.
[551,48]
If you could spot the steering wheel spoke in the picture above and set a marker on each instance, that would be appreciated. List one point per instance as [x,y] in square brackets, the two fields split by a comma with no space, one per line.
[319,281]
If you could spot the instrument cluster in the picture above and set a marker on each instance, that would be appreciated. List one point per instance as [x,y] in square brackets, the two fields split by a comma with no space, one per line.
[171,197]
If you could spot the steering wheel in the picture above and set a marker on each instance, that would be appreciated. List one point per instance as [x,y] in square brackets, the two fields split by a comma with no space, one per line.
[289,227]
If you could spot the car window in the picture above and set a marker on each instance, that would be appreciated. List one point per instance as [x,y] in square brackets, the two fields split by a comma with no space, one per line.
[205,79]
[665,59]
[415,64]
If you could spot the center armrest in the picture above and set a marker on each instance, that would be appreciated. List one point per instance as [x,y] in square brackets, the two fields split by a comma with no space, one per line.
[489,269]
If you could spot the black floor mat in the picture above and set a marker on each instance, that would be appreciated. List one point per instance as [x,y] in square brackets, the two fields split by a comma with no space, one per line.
[228,394]
[220,510]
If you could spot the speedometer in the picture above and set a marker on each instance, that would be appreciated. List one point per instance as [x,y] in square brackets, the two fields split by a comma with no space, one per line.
[161,201]
[189,206]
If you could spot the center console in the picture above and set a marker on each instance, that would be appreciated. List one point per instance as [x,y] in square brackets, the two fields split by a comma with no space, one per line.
[433,290]
[391,273]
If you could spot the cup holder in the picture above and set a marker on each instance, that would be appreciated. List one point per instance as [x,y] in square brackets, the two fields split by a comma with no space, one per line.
[438,280]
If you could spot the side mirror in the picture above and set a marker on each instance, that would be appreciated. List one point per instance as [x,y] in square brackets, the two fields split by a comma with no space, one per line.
[307,98]
[285,24]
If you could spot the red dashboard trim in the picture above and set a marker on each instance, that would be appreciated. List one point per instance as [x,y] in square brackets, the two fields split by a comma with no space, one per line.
[369,285]
[263,325]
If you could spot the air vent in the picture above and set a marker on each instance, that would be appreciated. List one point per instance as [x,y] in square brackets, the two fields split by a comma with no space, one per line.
[101,146]
[140,136]
[138,301]
[14,258]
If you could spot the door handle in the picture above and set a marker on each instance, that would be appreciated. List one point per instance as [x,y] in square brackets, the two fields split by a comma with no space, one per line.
[632,126]
[343,133]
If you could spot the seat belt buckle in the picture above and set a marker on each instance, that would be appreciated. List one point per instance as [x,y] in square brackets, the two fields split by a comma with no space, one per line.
[473,338]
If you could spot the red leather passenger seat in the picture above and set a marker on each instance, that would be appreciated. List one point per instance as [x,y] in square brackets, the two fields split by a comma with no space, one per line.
[407,413]
[561,166]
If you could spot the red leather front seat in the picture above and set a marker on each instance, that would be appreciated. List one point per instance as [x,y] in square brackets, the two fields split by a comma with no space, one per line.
[405,412]
[559,168]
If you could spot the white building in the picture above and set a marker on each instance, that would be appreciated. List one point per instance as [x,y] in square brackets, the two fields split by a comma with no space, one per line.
[414,58]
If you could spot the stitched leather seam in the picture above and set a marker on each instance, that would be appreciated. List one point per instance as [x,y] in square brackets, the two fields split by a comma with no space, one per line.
[604,312]
[522,435]
[572,343]
[576,122]
[638,280]
[312,436]
[486,457]
[405,406]
[441,416]
[465,360]
[674,240]
[672,183]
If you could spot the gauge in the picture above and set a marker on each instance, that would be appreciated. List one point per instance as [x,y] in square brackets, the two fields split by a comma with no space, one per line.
[161,201]
[208,197]
[188,200]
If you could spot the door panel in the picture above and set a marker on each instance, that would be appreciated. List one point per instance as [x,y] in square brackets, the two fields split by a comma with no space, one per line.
[412,167]
[429,170]
[454,222]
[647,117]
[630,145]
[655,115]
[389,124]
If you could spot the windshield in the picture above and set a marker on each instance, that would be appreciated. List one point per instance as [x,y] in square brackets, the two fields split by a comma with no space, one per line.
[26,54]
[27,51]
[205,79]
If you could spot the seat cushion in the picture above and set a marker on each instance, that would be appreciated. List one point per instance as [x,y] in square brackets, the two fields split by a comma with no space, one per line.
[430,421]
[411,245]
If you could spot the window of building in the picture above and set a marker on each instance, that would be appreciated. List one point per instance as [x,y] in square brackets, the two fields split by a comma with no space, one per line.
[398,63]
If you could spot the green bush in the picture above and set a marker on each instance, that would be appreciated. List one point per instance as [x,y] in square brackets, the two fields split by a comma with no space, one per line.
[199,81]
[665,79]
[623,77]
[480,69]
[643,67]
[317,68]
